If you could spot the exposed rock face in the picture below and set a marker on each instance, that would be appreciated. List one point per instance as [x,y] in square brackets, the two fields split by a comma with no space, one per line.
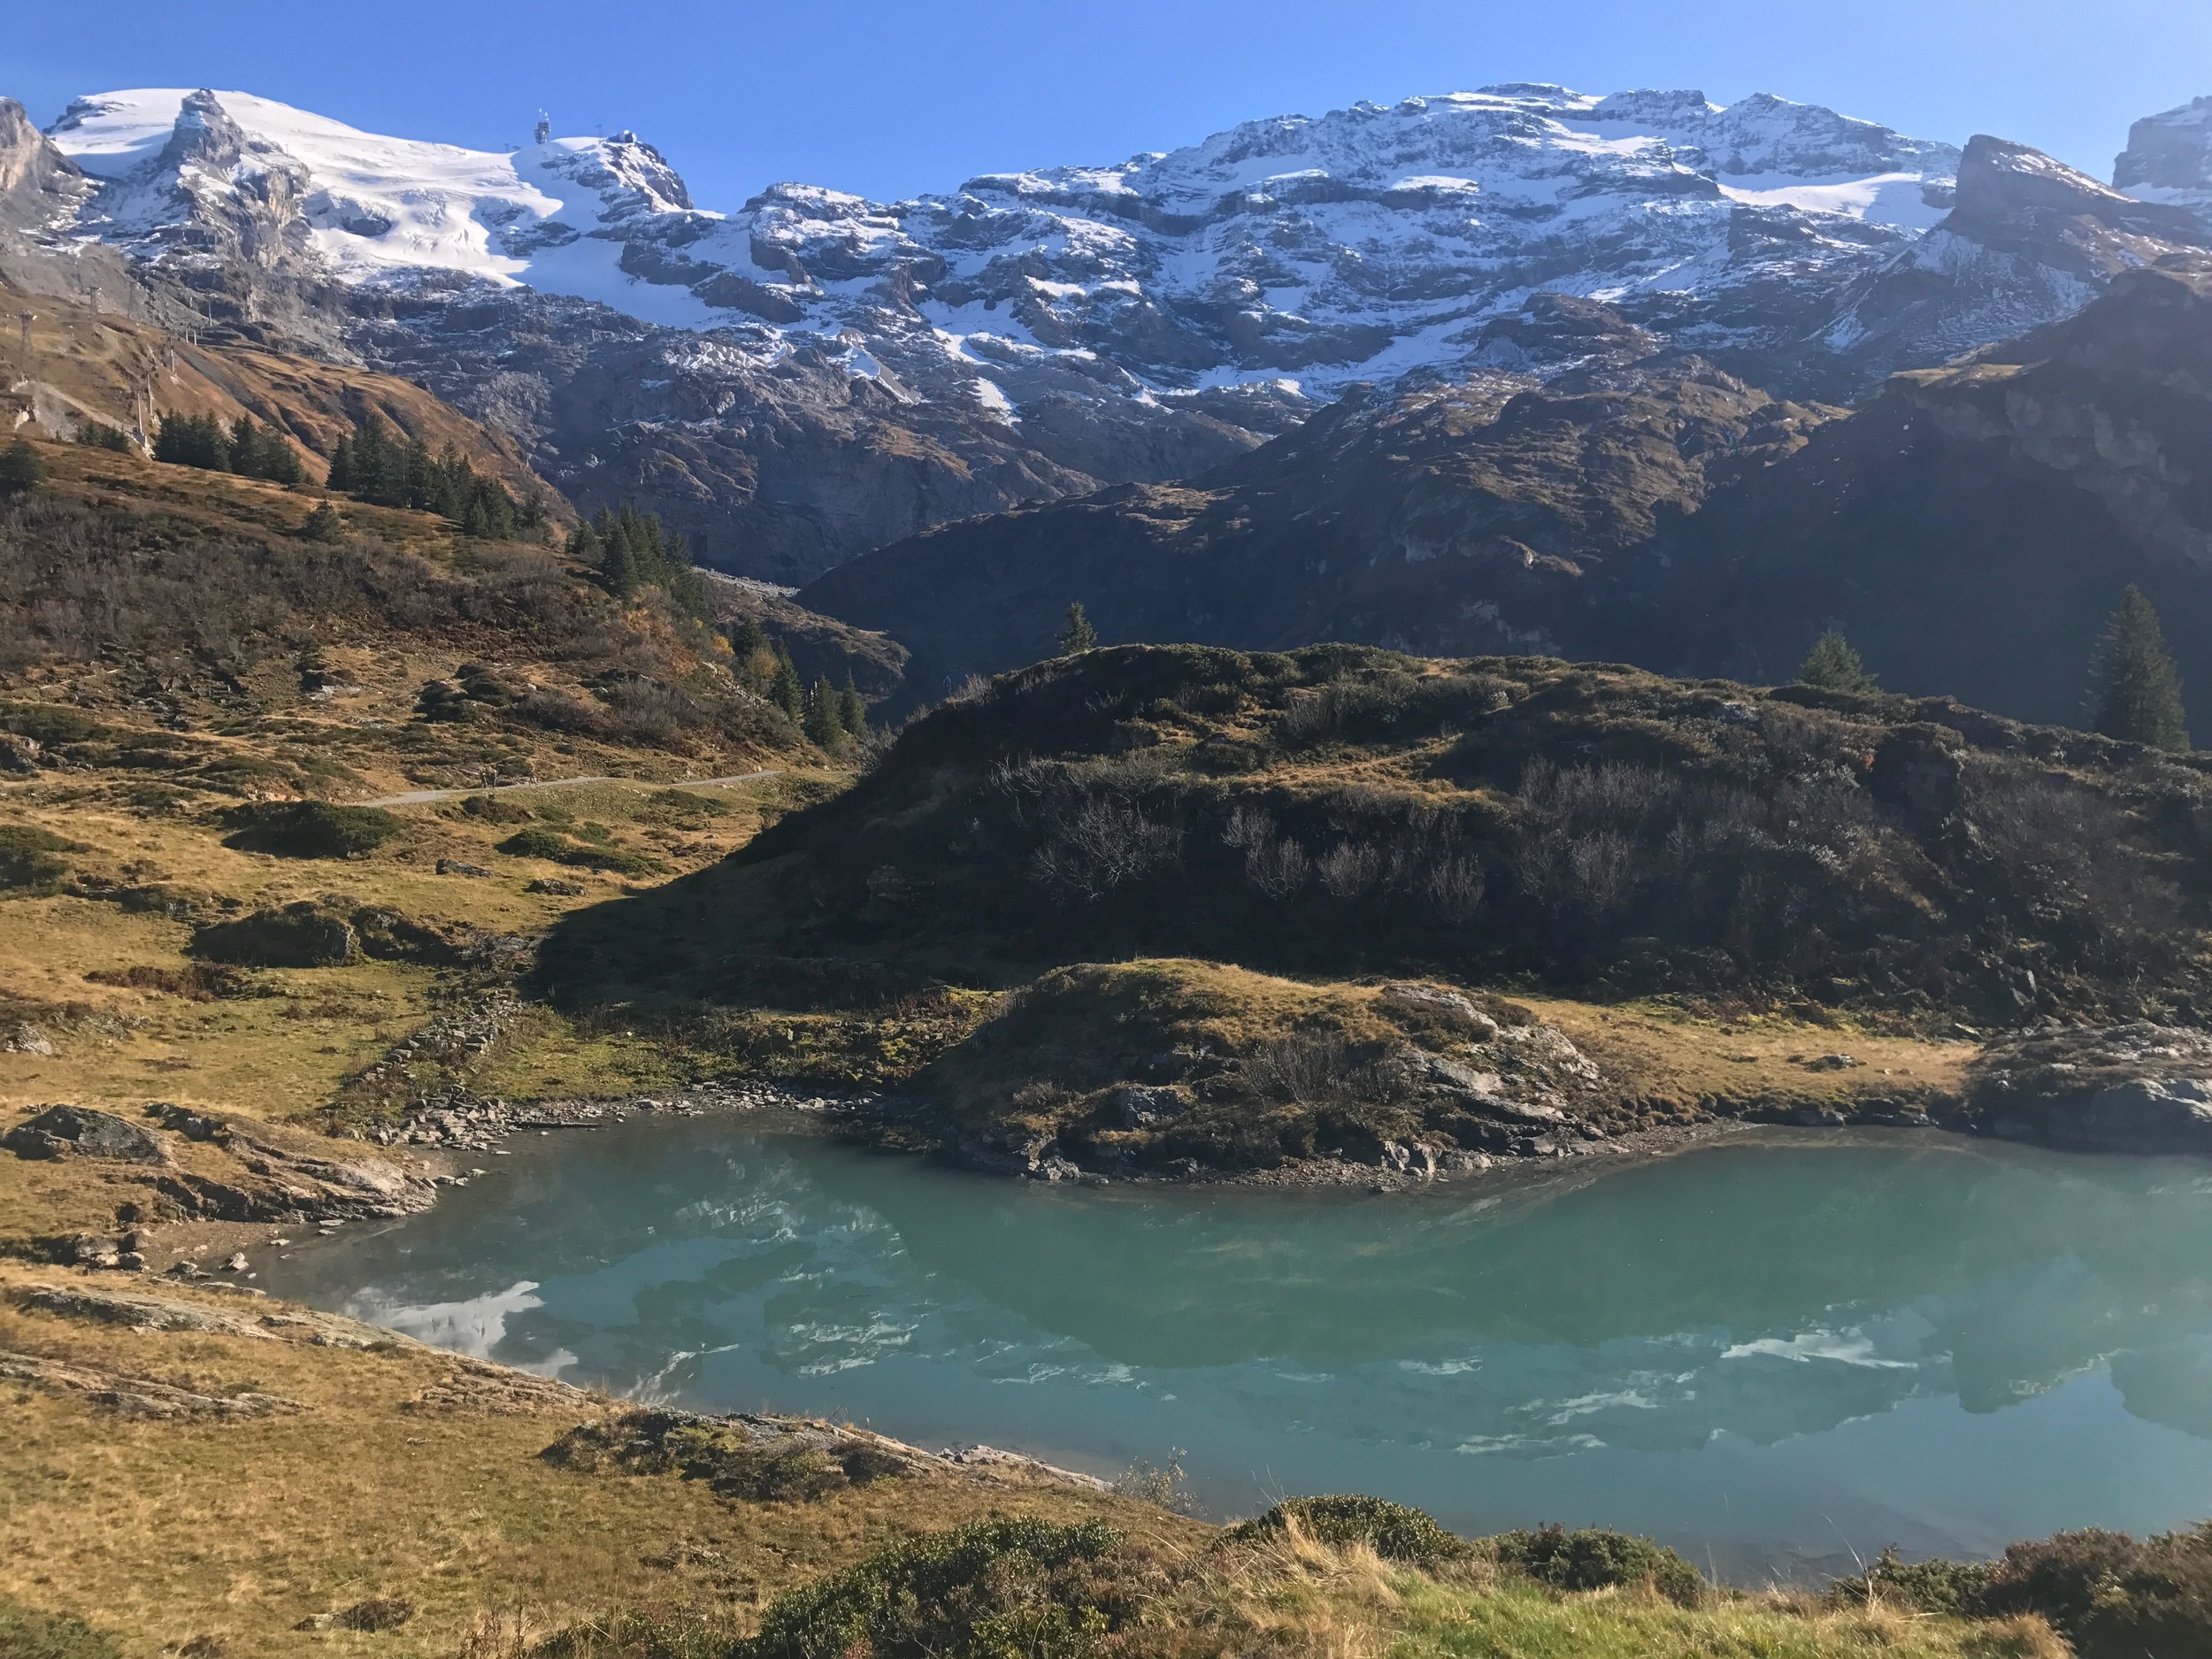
[2168,158]
[1490,516]
[2030,241]
[129,1396]
[79,1132]
[2126,1088]
[1970,530]
[38,185]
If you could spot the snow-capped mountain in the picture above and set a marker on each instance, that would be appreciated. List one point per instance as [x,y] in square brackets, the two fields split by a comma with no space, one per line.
[815,374]
[1354,246]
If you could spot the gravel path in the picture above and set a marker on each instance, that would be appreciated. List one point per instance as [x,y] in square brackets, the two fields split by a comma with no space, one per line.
[423,797]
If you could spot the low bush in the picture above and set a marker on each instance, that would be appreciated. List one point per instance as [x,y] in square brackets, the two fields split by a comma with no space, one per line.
[309,829]
[1593,1559]
[1393,1531]
[27,1634]
[996,1590]
[31,859]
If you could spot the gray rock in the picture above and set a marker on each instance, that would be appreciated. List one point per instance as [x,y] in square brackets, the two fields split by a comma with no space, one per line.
[555,884]
[460,867]
[1134,1106]
[28,1039]
[2149,1112]
[79,1131]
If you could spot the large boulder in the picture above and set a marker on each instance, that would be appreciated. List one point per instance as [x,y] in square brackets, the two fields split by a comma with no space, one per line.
[79,1132]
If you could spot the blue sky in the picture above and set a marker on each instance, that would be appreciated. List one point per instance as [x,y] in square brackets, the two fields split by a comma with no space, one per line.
[890,98]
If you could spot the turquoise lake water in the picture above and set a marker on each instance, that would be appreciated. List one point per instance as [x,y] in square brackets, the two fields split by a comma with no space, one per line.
[1771,1352]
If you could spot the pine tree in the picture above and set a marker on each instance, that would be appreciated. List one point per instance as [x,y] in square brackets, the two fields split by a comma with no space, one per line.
[21,469]
[323,524]
[345,474]
[784,692]
[1077,635]
[245,447]
[1833,665]
[852,711]
[823,727]
[2134,690]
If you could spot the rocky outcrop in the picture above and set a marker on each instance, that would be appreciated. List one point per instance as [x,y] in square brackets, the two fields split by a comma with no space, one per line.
[2142,1088]
[2029,242]
[39,186]
[2168,158]
[142,1397]
[79,1132]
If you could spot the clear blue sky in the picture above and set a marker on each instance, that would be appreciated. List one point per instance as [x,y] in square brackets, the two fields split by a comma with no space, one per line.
[889,97]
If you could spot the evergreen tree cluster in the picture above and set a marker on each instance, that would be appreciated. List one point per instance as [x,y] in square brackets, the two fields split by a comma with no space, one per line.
[373,465]
[631,551]
[831,716]
[248,449]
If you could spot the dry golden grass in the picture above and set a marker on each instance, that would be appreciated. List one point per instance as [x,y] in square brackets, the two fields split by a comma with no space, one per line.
[164,1531]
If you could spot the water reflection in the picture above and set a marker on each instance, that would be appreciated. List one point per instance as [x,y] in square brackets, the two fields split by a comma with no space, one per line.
[1757,1336]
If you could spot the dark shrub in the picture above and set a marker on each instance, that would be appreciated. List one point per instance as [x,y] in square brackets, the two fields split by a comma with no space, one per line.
[993,1591]
[309,829]
[1595,1560]
[27,1634]
[30,859]
[1956,1587]
[1391,1530]
[2112,1596]
[2158,1608]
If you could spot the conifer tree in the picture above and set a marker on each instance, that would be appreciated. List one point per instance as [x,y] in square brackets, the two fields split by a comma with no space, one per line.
[323,524]
[21,469]
[1077,635]
[245,447]
[852,711]
[2134,689]
[824,729]
[344,473]
[1833,665]
[784,692]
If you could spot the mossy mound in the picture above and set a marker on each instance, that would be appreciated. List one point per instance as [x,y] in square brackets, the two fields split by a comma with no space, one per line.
[310,829]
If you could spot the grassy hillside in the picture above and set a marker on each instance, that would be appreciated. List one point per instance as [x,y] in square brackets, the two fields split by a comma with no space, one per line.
[1340,811]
